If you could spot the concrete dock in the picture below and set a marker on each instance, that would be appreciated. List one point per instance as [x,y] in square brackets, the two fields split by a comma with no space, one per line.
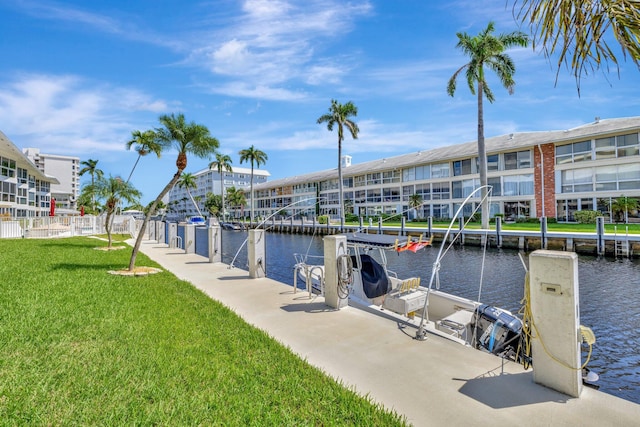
[434,382]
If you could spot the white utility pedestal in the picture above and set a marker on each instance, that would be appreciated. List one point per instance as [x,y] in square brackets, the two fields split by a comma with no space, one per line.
[334,247]
[256,254]
[215,244]
[556,314]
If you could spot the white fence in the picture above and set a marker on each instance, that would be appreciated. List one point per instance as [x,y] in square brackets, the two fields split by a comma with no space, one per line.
[47,227]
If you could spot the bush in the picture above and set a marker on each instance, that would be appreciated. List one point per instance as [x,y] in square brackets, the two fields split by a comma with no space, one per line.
[351,217]
[586,217]
[323,219]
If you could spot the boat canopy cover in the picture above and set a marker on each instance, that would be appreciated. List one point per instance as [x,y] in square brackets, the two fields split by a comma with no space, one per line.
[376,240]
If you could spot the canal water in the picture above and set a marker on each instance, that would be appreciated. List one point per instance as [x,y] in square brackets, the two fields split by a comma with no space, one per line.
[609,292]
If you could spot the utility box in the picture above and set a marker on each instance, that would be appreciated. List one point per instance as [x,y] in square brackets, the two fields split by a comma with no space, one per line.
[334,248]
[256,253]
[555,311]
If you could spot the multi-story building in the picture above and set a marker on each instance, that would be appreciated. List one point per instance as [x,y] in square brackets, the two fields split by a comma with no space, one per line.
[25,190]
[208,181]
[531,174]
[65,169]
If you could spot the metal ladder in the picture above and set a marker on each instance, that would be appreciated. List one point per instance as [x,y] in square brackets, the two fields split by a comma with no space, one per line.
[622,244]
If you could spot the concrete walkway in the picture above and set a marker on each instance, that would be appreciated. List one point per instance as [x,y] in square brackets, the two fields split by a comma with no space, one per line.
[434,382]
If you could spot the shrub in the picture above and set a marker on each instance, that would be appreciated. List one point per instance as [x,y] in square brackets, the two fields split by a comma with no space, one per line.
[351,217]
[586,216]
[323,219]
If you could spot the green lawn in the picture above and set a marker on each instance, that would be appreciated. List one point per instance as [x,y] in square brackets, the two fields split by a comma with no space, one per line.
[79,346]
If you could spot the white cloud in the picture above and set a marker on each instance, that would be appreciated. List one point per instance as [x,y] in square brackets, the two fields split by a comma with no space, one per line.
[66,114]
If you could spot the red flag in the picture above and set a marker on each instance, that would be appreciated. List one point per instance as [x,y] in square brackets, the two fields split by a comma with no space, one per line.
[81,210]
[52,207]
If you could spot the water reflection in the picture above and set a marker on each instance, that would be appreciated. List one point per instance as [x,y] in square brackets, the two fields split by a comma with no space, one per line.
[609,293]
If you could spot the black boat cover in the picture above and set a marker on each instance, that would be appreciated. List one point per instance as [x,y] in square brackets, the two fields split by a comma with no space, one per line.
[375,281]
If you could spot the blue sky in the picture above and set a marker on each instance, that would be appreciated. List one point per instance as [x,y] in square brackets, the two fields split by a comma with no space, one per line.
[78,77]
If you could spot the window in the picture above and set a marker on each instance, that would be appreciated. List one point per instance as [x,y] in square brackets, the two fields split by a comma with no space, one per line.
[518,185]
[424,191]
[374,178]
[629,177]
[605,148]
[496,187]
[573,153]
[627,145]
[517,160]
[374,195]
[440,170]
[392,194]
[440,191]
[409,174]
[462,167]
[7,167]
[360,181]
[423,172]
[407,190]
[390,177]
[492,162]
[576,180]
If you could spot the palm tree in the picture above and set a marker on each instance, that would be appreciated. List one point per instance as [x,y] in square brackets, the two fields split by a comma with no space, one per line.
[222,162]
[114,191]
[91,167]
[184,138]
[145,143]
[415,201]
[213,204]
[578,30]
[339,115]
[235,198]
[621,206]
[188,181]
[486,50]
[257,157]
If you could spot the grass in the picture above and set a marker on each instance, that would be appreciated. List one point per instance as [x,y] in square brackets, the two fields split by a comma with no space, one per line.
[79,346]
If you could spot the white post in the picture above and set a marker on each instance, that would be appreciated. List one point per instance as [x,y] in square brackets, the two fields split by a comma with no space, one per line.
[334,247]
[215,246]
[256,253]
[555,312]
[189,239]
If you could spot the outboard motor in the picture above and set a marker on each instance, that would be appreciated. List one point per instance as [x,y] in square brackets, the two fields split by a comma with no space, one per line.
[496,331]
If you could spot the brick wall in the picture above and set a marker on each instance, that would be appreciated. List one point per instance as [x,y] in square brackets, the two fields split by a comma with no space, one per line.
[548,175]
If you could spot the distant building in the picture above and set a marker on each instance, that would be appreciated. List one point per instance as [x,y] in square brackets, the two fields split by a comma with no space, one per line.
[25,190]
[532,174]
[65,169]
[208,181]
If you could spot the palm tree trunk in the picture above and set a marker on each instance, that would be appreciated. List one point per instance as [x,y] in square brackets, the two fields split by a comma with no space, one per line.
[222,195]
[482,160]
[143,227]
[251,197]
[340,196]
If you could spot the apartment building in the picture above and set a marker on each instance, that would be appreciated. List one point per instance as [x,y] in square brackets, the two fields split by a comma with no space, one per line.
[532,174]
[65,169]
[25,190]
[208,181]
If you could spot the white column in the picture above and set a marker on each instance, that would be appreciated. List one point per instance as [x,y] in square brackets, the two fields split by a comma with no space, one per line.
[256,253]
[334,247]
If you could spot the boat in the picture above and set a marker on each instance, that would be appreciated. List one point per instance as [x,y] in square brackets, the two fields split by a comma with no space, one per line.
[371,286]
[365,280]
